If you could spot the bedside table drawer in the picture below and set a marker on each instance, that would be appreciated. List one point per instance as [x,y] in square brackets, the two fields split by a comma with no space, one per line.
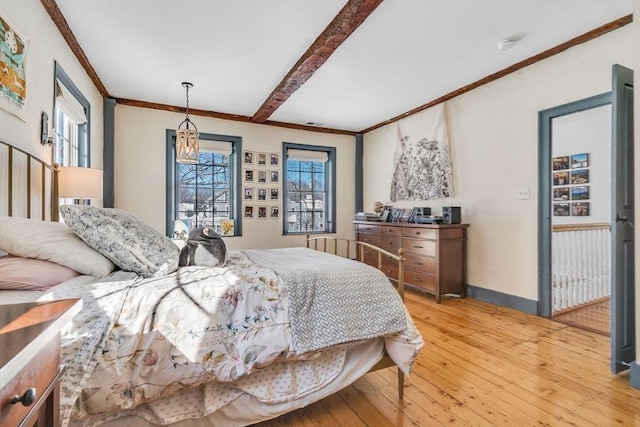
[39,374]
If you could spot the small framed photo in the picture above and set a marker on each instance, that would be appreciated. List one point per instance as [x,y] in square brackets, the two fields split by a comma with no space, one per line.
[275,212]
[247,157]
[560,178]
[560,194]
[561,209]
[579,161]
[262,212]
[580,209]
[262,194]
[580,192]
[248,175]
[248,193]
[274,159]
[262,159]
[275,176]
[275,194]
[248,211]
[580,176]
[560,163]
[262,177]
[227,227]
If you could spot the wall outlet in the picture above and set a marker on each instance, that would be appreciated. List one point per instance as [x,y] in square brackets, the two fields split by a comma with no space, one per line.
[523,193]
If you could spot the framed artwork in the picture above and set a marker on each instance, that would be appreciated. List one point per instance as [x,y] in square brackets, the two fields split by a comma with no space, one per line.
[227,227]
[580,161]
[561,209]
[262,212]
[248,211]
[248,193]
[560,178]
[248,175]
[247,157]
[274,159]
[560,163]
[580,176]
[580,192]
[560,193]
[275,176]
[262,159]
[13,78]
[262,194]
[275,194]
[275,212]
[262,177]
[580,209]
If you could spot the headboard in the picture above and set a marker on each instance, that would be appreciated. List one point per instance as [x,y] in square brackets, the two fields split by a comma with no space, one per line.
[27,185]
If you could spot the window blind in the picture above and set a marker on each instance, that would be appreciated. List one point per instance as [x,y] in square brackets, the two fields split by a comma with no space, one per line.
[219,147]
[307,155]
[68,103]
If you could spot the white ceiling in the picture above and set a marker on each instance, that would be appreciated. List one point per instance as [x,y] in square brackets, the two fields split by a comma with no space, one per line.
[235,52]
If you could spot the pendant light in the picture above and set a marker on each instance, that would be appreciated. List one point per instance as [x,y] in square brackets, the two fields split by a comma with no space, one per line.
[187,138]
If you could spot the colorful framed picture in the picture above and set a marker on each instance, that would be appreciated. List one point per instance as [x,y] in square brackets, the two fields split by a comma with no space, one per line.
[227,227]
[248,211]
[262,212]
[13,78]
[275,212]
[247,157]
[579,161]
[560,163]
[561,209]
[262,159]
[275,194]
[580,176]
[262,177]
[262,194]
[560,178]
[248,175]
[560,194]
[580,192]
[275,176]
[248,193]
[274,159]
[580,209]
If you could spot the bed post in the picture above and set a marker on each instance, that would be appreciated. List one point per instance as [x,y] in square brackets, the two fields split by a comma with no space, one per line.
[54,194]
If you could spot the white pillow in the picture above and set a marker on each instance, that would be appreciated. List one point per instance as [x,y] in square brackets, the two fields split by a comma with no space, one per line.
[51,241]
[129,242]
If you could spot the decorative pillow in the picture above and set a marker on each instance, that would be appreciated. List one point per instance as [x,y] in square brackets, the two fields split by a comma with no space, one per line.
[120,236]
[51,241]
[31,274]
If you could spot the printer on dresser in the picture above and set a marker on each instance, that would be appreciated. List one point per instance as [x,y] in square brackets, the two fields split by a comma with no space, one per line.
[435,253]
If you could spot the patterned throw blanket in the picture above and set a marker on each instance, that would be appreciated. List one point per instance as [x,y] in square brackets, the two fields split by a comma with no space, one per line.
[333,300]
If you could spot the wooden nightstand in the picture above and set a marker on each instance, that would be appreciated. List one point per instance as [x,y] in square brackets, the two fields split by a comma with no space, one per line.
[30,367]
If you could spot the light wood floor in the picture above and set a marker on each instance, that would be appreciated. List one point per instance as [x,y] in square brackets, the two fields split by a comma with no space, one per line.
[483,365]
[593,317]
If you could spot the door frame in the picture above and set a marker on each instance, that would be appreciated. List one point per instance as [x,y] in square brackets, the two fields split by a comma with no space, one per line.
[545,144]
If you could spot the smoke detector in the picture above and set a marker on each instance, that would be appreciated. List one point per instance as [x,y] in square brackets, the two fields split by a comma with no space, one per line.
[506,44]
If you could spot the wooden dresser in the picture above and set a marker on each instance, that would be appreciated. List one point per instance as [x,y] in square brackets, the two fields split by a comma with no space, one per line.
[30,369]
[435,253]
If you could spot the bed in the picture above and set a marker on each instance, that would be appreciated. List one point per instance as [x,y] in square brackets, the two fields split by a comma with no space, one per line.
[156,344]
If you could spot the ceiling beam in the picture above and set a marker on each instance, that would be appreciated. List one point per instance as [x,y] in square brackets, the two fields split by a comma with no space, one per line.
[58,19]
[590,35]
[341,27]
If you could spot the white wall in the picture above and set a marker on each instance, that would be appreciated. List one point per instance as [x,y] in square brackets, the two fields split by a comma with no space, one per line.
[140,169]
[493,133]
[46,45]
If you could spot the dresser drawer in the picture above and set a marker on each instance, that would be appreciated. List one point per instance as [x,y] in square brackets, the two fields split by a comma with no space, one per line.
[423,280]
[390,270]
[390,244]
[386,230]
[372,239]
[420,263]
[422,233]
[420,247]
[39,373]
[368,229]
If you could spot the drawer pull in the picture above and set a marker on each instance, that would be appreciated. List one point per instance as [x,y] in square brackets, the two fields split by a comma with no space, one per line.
[417,279]
[417,247]
[417,263]
[26,399]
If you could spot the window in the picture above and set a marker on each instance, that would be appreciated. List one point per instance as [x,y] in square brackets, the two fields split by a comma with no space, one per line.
[205,194]
[70,122]
[309,173]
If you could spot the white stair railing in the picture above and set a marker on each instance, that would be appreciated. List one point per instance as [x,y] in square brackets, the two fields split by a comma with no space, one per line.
[581,264]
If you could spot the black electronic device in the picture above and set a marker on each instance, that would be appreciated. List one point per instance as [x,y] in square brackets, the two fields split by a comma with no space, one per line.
[417,213]
[451,214]
[428,220]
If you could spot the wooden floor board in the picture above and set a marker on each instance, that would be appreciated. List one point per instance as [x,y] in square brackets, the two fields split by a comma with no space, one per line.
[485,365]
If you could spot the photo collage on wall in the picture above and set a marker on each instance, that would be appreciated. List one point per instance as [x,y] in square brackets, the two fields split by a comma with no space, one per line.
[261,185]
[571,185]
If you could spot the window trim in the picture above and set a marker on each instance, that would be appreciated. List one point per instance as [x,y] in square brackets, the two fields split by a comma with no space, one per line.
[235,209]
[330,186]
[84,136]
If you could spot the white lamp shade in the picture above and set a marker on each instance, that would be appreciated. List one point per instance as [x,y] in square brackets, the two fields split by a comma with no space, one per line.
[79,183]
